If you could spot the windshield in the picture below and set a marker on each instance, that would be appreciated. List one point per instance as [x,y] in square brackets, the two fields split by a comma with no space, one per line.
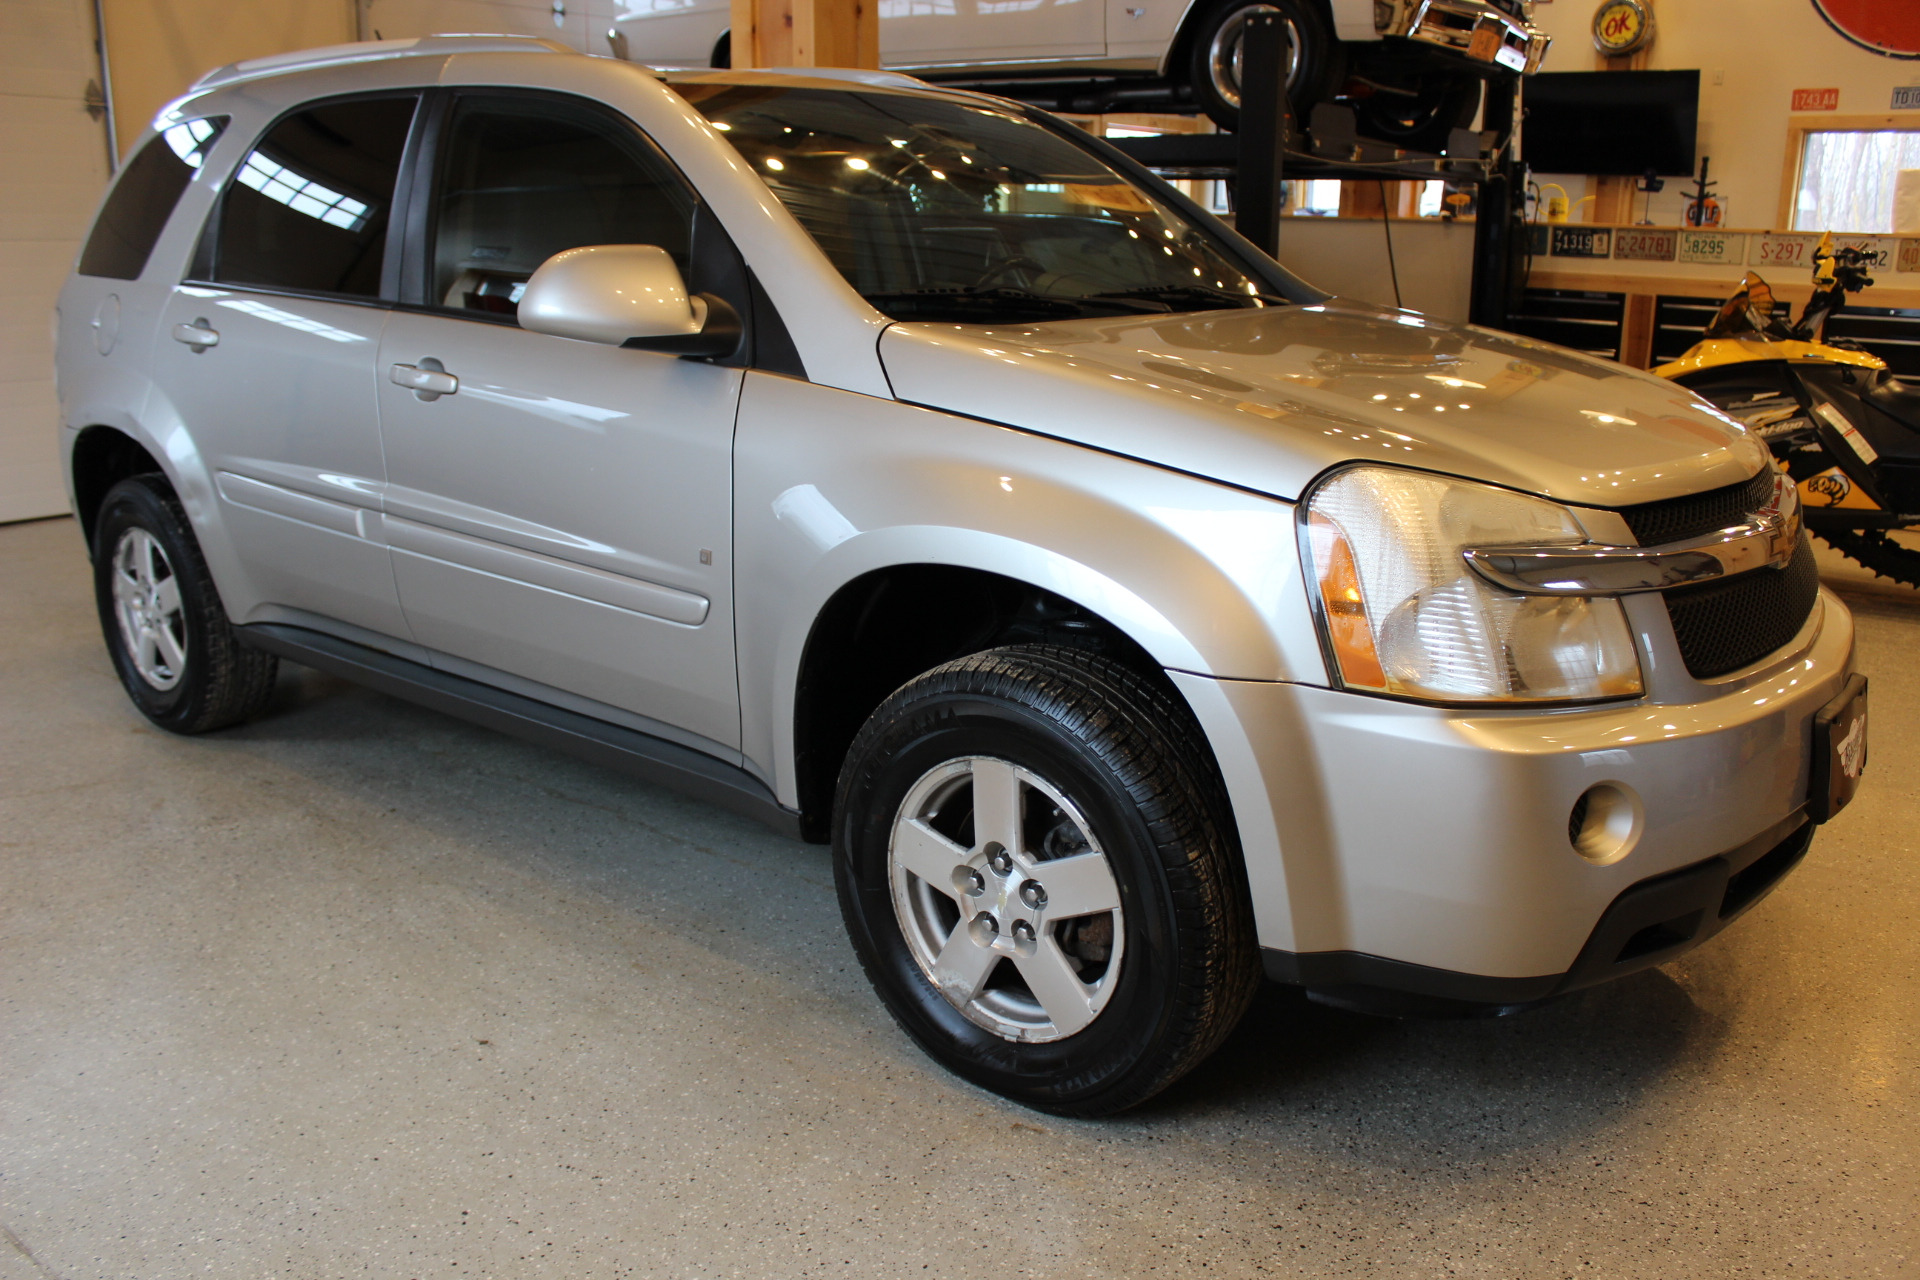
[942,210]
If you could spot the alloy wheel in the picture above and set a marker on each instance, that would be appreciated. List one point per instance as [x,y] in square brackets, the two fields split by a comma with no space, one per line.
[146,602]
[1007,902]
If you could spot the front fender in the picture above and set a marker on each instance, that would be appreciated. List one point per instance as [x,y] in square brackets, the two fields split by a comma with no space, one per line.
[831,485]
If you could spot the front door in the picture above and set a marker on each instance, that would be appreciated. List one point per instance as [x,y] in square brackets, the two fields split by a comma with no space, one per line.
[562,515]
[266,357]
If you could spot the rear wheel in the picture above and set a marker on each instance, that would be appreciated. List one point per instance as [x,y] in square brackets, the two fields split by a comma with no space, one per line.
[1216,58]
[1036,869]
[166,630]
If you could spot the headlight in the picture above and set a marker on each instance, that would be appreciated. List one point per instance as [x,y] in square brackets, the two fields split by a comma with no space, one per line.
[1403,614]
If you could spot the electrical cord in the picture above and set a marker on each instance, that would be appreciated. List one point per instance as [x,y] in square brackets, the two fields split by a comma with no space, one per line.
[1386,225]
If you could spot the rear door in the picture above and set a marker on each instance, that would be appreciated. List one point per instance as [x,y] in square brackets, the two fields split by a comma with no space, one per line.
[563,516]
[266,355]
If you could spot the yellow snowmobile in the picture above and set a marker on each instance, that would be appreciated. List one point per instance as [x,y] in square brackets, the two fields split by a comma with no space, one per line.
[1845,429]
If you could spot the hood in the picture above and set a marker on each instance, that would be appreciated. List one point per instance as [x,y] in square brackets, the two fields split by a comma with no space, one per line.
[1269,398]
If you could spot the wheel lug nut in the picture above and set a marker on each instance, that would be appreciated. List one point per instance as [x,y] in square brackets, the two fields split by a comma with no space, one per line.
[969,881]
[1022,931]
[987,923]
[999,859]
[1033,894]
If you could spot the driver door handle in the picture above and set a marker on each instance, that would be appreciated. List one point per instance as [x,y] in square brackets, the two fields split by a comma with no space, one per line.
[428,380]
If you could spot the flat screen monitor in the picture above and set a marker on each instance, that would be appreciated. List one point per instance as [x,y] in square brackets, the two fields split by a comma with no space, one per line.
[1611,122]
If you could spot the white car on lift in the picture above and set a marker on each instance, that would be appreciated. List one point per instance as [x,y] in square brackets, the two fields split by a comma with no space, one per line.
[910,470]
[1411,69]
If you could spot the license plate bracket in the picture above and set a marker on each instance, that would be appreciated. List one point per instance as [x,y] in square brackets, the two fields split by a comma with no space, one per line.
[1839,750]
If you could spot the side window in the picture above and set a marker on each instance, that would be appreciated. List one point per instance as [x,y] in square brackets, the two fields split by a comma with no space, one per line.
[130,222]
[524,178]
[308,208]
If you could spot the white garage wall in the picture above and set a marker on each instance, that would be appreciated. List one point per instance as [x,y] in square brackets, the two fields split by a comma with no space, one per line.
[578,24]
[55,160]
[156,48]
[1751,56]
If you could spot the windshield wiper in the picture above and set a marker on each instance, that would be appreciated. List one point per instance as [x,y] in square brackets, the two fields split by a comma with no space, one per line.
[1165,293]
[1003,299]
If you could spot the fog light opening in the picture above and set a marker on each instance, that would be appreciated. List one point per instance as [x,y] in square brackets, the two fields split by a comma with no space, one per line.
[1605,823]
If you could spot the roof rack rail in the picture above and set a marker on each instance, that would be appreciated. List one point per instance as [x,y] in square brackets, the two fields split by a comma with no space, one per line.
[373,51]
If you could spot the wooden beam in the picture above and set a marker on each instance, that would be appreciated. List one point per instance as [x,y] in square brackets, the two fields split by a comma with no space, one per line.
[1636,331]
[806,33]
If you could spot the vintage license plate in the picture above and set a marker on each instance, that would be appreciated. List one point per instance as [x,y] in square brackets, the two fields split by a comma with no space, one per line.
[1839,750]
[1647,246]
[1581,242]
[1727,248]
[1879,249]
[1784,251]
[1485,44]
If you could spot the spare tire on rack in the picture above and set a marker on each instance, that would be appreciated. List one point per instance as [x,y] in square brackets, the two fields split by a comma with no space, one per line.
[1316,61]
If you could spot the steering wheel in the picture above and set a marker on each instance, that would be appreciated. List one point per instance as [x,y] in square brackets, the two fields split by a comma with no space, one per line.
[999,269]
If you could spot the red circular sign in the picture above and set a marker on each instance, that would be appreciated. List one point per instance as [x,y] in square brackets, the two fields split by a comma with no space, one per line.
[1884,26]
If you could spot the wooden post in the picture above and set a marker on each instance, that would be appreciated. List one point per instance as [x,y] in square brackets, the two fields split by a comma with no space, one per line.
[1636,330]
[806,33]
[1614,198]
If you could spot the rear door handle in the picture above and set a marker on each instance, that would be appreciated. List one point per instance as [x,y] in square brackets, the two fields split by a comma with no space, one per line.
[199,335]
[428,380]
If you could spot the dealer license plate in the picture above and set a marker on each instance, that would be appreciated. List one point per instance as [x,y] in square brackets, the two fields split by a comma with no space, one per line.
[1839,750]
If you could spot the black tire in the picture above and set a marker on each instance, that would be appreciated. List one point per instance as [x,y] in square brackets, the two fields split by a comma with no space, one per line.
[1876,549]
[1109,766]
[1424,117]
[165,627]
[1315,67]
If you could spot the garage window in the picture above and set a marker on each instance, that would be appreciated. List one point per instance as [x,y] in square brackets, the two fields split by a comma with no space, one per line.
[1848,177]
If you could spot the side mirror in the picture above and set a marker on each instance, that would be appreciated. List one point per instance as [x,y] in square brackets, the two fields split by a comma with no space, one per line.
[627,295]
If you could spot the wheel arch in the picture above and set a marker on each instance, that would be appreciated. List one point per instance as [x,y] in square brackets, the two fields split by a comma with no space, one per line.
[889,624]
[100,457]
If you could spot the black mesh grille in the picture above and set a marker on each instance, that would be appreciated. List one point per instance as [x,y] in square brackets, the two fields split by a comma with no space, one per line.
[1723,626]
[1698,513]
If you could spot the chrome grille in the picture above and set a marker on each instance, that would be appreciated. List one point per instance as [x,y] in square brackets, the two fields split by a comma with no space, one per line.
[1735,622]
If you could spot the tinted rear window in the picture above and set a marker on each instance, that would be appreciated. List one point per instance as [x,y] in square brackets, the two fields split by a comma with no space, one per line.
[130,223]
[309,206]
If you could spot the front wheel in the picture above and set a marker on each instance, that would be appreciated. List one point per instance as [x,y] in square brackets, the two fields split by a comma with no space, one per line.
[1036,868]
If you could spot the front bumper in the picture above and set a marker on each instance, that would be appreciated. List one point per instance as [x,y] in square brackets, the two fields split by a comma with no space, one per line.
[1425,849]
[1647,925]
[1473,29]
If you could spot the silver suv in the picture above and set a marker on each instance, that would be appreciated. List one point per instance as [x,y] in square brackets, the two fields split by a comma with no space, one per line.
[909,470]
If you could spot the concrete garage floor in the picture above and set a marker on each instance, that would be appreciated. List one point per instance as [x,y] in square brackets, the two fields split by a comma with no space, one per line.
[360,990]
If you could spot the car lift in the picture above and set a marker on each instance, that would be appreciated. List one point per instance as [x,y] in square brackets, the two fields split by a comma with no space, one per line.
[1256,159]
